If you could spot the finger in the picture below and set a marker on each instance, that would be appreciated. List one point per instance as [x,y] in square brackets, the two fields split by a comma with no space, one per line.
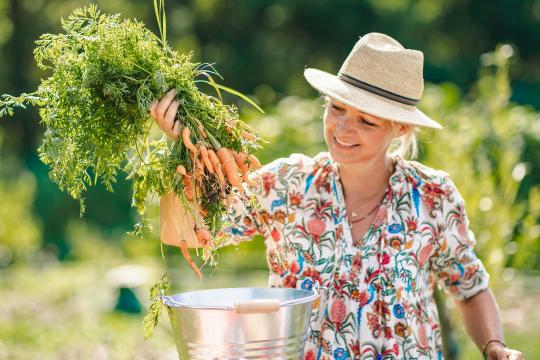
[170,115]
[153,106]
[497,354]
[514,355]
[500,354]
[163,105]
[177,128]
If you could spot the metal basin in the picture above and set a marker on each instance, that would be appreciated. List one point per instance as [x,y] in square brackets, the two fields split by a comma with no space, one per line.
[241,323]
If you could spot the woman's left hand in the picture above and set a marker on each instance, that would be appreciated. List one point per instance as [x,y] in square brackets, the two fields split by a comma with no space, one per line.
[499,352]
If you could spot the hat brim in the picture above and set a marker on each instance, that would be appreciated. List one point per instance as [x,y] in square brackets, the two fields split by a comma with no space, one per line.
[366,101]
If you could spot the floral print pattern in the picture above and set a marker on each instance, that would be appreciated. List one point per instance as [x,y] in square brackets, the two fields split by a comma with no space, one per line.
[380,301]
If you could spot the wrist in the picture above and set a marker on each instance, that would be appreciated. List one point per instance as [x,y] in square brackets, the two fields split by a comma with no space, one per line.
[492,345]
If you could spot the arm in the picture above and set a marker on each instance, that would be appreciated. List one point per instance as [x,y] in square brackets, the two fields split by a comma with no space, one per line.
[482,320]
[176,224]
[463,276]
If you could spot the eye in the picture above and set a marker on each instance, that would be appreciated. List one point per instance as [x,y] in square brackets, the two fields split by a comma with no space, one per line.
[369,123]
[338,108]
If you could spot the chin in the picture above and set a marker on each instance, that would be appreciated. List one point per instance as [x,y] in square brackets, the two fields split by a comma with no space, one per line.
[346,157]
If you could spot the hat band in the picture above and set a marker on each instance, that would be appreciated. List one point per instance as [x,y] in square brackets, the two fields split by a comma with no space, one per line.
[376,90]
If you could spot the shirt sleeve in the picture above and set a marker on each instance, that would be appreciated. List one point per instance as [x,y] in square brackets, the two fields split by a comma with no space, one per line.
[457,268]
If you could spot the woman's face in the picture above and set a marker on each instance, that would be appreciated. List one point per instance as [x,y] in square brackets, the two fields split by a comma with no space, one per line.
[353,136]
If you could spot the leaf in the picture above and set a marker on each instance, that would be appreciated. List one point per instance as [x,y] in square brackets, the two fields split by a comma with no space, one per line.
[214,84]
[151,318]
[157,12]
[237,93]
[164,22]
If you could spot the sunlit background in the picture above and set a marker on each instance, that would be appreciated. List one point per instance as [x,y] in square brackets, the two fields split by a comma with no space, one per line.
[76,288]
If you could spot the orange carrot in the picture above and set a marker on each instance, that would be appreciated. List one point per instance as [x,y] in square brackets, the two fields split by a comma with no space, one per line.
[181,170]
[249,136]
[201,210]
[203,236]
[188,187]
[240,161]
[229,168]
[187,141]
[187,256]
[204,157]
[202,131]
[254,163]
[216,166]
[199,170]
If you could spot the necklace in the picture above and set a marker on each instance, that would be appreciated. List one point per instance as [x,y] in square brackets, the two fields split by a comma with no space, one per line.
[352,221]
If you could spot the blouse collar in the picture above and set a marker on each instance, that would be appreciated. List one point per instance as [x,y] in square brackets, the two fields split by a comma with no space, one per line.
[396,179]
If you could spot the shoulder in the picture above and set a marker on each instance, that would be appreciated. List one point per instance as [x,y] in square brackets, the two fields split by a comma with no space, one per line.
[425,177]
[295,164]
[422,172]
[434,188]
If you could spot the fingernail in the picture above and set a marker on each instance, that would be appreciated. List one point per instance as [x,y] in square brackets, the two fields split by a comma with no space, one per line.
[173,91]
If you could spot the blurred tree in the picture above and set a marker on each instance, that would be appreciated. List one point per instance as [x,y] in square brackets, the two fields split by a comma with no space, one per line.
[20,231]
[482,147]
[262,47]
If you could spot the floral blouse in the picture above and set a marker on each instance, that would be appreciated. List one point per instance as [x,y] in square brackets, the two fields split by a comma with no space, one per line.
[380,301]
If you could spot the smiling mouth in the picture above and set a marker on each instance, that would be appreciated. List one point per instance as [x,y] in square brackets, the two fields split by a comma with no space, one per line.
[344,145]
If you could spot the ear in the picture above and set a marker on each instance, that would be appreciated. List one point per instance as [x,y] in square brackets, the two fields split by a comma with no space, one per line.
[401,129]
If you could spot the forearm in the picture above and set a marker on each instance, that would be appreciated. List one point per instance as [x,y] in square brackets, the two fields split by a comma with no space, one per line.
[481,317]
[175,223]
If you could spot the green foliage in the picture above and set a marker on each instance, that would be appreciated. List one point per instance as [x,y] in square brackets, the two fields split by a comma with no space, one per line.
[481,147]
[292,125]
[528,235]
[87,243]
[105,72]
[152,317]
[20,232]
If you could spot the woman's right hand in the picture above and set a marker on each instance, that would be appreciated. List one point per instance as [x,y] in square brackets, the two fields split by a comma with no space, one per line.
[164,113]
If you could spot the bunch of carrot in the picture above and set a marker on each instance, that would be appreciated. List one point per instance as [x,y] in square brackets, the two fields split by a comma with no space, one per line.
[226,167]
[103,74]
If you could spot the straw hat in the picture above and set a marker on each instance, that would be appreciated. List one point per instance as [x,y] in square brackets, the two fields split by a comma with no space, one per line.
[379,77]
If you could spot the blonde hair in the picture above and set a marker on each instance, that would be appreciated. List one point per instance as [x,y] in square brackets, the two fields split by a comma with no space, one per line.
[406,145]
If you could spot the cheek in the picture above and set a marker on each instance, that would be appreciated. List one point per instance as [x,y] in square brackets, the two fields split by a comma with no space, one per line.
[375,137]
[328,127]
[379,139]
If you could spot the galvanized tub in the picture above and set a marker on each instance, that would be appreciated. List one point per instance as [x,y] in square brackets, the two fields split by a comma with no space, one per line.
[241,323]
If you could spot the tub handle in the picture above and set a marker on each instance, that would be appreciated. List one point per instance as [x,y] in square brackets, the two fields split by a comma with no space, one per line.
[257,306]
[319,305]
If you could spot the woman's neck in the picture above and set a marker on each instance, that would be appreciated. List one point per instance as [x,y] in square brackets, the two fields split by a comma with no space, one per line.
[364,181]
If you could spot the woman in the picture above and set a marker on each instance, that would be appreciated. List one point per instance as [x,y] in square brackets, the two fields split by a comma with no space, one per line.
[374,228]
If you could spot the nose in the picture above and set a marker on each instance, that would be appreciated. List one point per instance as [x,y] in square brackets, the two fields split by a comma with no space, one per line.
[346,125]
